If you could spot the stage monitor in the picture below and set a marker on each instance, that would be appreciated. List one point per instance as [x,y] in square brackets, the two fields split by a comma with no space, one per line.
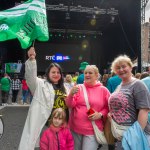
[69,56]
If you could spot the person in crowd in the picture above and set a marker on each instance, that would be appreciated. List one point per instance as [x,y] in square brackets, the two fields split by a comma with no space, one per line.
[68,82]
[75,76]
[130,102]
[105,78]
[15,86]
[144,74]
[5,88]
[25,91]
[105,71]
[58,135]
[80,78]
[80,118]
[148,70]
[48,94]
[113,82]
[146,81]
[138,75]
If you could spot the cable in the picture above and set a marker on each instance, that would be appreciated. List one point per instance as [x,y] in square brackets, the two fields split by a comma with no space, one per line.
[125,35]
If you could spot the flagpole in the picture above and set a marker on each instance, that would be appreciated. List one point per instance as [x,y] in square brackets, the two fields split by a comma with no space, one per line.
[33,43]
[5,68]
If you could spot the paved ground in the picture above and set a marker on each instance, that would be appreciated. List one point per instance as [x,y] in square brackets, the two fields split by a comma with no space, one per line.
[14,119]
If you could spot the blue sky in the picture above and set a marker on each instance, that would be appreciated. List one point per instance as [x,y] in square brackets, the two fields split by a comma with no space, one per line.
[147,12]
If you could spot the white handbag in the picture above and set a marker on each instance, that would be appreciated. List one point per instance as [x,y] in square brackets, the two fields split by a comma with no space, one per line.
[100,137]
[118,130]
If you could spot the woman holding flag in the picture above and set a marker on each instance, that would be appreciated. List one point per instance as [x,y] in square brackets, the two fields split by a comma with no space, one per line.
[47,95]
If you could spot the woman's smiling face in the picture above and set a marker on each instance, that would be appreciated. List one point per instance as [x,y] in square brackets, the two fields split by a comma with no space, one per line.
[90,75]
[123,70]
[54,75]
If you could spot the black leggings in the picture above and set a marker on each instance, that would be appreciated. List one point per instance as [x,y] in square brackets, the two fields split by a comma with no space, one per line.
[14,94]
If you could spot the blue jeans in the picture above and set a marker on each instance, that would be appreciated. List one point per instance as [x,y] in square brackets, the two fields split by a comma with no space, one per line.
[24,95]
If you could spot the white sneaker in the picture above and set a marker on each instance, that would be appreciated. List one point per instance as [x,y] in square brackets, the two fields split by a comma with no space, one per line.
[4,104]
[14,103]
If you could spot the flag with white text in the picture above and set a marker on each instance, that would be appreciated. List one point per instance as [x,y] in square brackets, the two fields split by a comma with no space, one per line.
[26,22]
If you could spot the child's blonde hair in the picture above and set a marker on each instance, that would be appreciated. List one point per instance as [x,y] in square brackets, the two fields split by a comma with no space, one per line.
[58,113]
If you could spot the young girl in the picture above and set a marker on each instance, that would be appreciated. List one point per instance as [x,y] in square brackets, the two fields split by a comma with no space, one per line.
[57,136]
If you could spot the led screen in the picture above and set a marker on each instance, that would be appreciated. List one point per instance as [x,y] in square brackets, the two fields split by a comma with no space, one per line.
[69,56]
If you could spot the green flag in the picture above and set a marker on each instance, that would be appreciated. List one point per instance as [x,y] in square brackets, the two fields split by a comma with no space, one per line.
[26,22]
[13,67]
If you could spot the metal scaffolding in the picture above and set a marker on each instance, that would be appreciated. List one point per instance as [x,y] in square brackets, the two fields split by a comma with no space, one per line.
[143,5]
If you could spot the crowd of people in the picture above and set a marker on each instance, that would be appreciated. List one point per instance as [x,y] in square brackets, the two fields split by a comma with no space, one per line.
[14,90]
[60,103]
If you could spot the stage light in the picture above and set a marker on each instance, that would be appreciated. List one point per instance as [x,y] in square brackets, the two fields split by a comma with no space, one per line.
[84,44]
[93,21]
[80,58]
[94,16]
[67,15]
[95,36]
[112,19]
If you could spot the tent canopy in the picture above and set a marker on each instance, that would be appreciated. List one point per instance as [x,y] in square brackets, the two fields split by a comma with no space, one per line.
[144,64]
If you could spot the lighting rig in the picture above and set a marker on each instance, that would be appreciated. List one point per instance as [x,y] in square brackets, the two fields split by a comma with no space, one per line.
[95,10]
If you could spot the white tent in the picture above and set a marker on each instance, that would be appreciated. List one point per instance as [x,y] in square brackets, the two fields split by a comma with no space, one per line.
[144,64]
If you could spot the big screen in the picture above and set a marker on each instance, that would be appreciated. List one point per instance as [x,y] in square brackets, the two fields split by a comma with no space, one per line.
[69,56]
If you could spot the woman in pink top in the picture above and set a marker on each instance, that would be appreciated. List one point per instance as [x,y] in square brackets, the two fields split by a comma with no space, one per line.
[80,117]
[57,136]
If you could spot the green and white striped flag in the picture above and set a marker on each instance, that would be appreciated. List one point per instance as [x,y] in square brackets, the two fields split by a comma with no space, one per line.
[26,22]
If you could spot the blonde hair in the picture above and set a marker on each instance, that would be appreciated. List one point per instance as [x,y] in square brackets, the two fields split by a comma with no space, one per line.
[93,67]
[58,113]
[121,59]
[68,76]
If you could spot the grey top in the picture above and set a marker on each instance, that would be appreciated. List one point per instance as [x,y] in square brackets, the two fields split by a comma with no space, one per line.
[126,101]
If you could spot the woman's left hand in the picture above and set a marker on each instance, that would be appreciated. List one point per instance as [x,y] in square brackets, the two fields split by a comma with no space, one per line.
[95,116]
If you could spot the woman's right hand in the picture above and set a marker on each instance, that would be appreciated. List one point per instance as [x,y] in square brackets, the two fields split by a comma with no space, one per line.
[74,90]
[31,53]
